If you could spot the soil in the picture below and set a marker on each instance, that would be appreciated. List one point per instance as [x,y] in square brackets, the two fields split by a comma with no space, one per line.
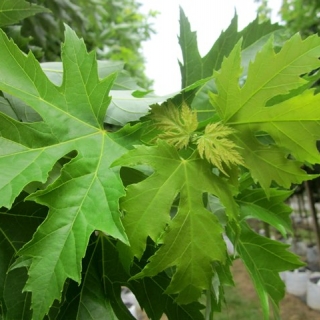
[292,308]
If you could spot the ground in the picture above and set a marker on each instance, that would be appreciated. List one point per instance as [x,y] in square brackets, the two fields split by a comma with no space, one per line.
[292,308]
[242,302]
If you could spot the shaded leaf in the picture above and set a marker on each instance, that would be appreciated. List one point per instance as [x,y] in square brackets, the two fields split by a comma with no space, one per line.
[16,228]
[101,289]
[264,259]
[150,290]
[272,209]
[96,297]
[193,237]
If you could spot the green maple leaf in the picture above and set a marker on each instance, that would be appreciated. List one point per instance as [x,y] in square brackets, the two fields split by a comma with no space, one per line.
[128,104]
[255,204]
[264,259]
[195,67]
[99,296]
[84,197]
[293,124]
[176,125]
[17,226]
[147,290]
[192,239]
[12,11]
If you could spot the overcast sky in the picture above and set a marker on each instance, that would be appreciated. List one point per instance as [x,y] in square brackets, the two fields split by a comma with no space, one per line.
[207,17]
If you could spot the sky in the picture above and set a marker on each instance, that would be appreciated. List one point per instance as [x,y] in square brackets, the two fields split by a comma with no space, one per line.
[207,17]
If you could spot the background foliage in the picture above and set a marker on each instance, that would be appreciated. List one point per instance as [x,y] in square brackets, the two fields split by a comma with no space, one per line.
[115,29]
[301,16]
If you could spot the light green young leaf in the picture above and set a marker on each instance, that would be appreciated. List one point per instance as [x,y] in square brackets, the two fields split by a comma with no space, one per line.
[294,124]
[85,196]
[12,11]
[176,125]
[215,146]
[264,259]
[192,240]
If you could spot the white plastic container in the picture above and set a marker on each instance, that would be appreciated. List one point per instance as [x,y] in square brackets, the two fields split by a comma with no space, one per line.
[299,247]
[313,291]
[296,282]
[313,257]
[283,276]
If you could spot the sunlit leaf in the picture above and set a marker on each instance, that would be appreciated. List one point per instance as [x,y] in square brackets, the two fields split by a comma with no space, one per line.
[193,238]
[73,116]
[215,146]
[294,124]
[176,125]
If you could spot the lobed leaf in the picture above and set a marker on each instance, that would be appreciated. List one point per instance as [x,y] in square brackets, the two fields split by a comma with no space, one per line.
[147,290]
[84,197]
[193,238]
[97,298]
[214,146]
[176,125]
[255,204]
[294,124]
[16,228]
[195,68]
[264,259]
[127,104]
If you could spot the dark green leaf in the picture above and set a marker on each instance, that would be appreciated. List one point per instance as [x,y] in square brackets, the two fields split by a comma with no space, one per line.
[264,259]
[272,209]
[16,228]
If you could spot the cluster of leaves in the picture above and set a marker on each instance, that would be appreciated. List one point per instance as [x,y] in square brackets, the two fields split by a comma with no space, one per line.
[114,29]
[103,187]
[178,128]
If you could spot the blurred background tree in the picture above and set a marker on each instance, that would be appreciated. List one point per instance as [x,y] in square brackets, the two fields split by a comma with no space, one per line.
[264,12]
[115,29]
[297,15]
